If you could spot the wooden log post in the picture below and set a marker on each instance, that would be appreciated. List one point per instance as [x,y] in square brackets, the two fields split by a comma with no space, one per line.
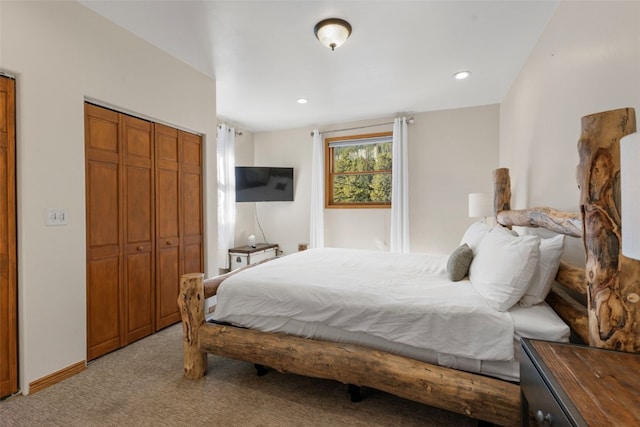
[571,311]
[572,277]
[567,223]
[551,219]
[191,304]
[501,191]
[614,280]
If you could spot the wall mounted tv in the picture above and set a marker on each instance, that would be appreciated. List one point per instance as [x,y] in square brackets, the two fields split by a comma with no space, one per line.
[264,184]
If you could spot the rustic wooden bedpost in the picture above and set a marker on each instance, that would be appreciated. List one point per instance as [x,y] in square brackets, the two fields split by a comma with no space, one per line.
[501,191]
[614,280]
[191,303]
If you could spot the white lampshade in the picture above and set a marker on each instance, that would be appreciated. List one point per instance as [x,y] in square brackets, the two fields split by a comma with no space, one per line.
[332,32]
[630,194]
[480,205]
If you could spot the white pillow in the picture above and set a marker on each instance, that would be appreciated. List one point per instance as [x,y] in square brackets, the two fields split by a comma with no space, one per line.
[550,252]
[474,234]
[503,266]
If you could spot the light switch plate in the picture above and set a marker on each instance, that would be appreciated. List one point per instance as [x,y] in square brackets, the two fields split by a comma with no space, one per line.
[56,216]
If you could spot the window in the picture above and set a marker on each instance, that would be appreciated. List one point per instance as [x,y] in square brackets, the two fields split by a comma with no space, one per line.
[358,171]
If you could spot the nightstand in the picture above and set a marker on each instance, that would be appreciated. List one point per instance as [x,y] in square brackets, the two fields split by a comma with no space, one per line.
[247,255]
[576,385]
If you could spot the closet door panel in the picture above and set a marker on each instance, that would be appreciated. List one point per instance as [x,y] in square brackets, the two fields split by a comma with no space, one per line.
[191,151]
[105,302]
[168,248]
[8,242]
[139,295]
[167,311]
[139,241]
[191,202]
[192,223]
[193,257]
[104,284]
[103,207]
[139,205]
[102,133]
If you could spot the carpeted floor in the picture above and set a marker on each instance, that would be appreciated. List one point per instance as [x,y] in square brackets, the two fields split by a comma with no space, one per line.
[142,385]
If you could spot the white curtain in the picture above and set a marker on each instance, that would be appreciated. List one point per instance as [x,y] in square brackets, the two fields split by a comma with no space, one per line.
[316,235]
[399,241]
[226,193]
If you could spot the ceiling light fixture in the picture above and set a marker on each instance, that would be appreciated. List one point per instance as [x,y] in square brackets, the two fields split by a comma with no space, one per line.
[460,75]
[332,32]
[302,100]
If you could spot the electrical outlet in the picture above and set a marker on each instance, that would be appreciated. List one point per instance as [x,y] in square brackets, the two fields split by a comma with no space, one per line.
[56,216]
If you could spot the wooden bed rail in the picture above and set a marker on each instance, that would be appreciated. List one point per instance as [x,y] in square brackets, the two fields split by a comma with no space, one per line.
[475,396]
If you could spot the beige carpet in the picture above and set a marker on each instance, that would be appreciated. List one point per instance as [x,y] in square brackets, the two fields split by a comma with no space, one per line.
[142,385]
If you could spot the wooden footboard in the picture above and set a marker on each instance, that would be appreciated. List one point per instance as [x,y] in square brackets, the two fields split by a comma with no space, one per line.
[475,396]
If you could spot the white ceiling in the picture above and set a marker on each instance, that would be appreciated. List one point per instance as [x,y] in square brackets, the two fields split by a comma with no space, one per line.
[400,58]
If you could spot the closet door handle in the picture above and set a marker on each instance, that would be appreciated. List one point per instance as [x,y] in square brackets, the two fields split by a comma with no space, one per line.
[169,242]
[140,248]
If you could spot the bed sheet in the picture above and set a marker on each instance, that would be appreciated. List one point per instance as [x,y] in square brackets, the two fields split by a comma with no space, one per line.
[404,300]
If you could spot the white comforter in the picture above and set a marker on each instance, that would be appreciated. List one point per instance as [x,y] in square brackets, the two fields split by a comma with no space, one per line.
[403,298]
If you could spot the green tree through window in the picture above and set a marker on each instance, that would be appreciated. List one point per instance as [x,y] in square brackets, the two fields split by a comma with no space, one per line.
[359,171]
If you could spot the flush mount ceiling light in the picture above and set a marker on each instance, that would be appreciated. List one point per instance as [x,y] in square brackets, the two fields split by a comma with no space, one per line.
[460,75]
[332,32]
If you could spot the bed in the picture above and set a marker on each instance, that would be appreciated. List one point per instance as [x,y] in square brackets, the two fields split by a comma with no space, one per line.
[468,364]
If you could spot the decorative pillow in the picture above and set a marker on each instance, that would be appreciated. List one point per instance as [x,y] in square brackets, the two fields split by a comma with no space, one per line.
[503,266]
[474,234]
[550,252]
[459,262]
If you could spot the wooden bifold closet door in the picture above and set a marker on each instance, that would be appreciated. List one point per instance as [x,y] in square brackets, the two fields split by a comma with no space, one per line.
[178,216]
[8,253]
[135,226]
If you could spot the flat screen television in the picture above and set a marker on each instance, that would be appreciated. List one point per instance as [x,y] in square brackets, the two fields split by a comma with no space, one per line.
[264,184]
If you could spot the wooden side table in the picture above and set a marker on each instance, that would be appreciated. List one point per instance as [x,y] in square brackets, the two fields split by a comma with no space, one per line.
[575,385]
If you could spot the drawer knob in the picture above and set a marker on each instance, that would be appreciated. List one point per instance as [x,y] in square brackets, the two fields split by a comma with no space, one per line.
[543,419]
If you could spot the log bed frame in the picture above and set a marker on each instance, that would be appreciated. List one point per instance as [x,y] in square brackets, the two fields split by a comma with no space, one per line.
[610,283]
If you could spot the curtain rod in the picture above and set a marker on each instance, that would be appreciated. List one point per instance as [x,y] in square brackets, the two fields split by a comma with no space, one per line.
[410,121]
[237,132]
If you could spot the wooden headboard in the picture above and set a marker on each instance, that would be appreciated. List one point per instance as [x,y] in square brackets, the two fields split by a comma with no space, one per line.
[610,282]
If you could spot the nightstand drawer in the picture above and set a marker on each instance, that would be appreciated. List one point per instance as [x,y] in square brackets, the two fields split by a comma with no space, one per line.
[539,397]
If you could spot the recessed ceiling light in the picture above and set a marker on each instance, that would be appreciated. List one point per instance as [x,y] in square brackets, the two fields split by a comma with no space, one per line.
[462,75]
[302,100]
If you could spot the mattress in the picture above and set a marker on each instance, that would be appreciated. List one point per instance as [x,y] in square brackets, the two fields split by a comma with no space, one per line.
[399,303]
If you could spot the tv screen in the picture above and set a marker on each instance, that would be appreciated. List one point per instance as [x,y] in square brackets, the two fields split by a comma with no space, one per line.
[264,184]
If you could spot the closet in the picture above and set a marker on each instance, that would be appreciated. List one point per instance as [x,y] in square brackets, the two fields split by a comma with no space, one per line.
[8,253]
[144,224]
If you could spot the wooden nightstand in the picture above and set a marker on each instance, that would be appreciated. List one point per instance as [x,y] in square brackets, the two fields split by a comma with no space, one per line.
[574,385]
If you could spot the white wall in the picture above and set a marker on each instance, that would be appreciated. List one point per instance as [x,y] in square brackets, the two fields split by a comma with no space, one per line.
[452,153]
[61,52]
[285,223]
[587,61]
[245,212]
